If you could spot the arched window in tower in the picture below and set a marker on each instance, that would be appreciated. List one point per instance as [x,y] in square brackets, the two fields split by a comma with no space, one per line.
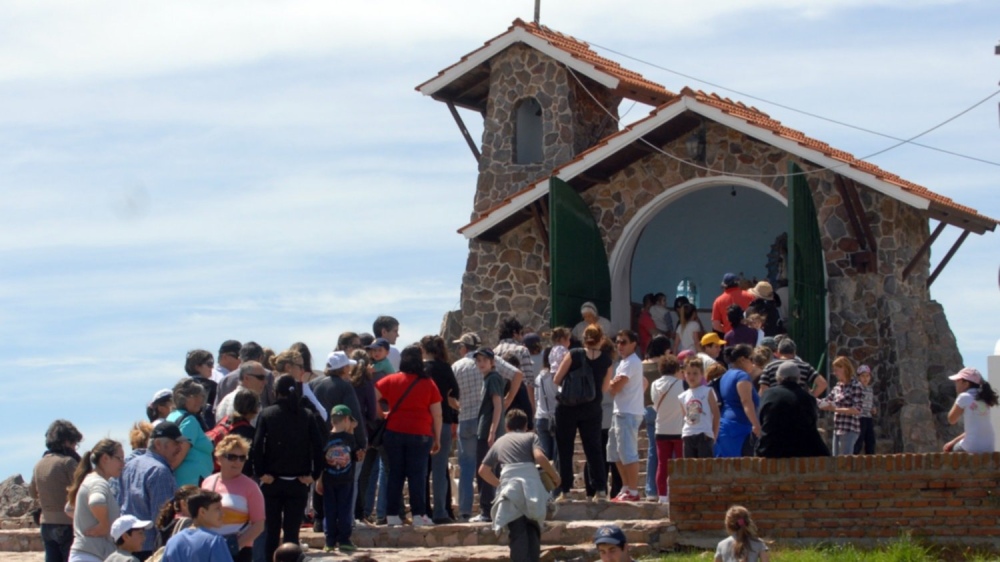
[687,288]
[528,132]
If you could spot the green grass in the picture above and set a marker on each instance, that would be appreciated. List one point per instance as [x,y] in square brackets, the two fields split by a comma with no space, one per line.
[903,549]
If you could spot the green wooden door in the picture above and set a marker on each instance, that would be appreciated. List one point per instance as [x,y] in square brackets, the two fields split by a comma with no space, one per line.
[807,284]
[579,264]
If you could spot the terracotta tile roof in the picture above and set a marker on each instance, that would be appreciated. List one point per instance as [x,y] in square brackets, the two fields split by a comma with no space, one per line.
[631,85]
[630,81]
[757,118]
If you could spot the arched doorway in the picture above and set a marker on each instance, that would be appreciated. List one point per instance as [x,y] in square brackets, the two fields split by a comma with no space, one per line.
[697,231]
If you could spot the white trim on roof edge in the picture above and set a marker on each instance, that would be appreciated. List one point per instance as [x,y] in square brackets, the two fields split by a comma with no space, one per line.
[517,35]
[792,147]
[640,128]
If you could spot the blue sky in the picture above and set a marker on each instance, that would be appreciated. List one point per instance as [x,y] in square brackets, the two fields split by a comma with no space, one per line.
[176,175]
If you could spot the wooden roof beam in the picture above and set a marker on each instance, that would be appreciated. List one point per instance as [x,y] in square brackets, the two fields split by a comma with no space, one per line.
[465,132]
[947,257]
[923,249]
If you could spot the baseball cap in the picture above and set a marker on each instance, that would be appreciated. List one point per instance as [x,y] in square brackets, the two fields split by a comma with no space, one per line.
[730,280]
[864,369]
[484,352]
[339,360]
[161,394]
[682,356]
[469,340]
[341,410]
[610,534]
[379,342]
[531,339]
[588,306]
[769,343]
[168,430]
[968,374]
[712,338]
[126,523]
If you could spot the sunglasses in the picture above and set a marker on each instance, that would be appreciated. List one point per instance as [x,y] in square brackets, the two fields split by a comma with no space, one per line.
[256,376]
[236,458]
[209,363]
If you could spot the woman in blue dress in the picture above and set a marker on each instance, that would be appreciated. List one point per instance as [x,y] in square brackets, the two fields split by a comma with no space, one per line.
[739,426]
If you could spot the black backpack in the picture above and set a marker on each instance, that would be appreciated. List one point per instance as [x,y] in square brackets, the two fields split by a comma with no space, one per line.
[578,387]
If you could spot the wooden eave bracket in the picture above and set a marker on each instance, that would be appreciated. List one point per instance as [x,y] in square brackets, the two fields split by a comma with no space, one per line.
[465,132]
[866,260]
[923,250]
[947,257]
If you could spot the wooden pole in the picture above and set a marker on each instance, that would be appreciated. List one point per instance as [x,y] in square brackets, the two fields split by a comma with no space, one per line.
[538,11]
[947,257]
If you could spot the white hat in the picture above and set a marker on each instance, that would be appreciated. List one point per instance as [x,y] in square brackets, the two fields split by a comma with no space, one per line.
[160,395]
[339,360]
[126,523]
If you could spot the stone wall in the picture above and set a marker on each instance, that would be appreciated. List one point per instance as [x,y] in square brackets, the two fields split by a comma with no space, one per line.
[571,121]
[875,317]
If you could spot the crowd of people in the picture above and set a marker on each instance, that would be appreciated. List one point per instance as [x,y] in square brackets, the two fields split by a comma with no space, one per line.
[253,444]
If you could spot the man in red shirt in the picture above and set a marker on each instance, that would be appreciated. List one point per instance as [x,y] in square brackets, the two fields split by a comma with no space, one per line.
[731,294]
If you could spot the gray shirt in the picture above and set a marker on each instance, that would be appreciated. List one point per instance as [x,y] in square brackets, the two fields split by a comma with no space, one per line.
[121,556]
[518,446]
[94,491]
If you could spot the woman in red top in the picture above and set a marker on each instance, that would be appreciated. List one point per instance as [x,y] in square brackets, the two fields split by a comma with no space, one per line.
[412,433]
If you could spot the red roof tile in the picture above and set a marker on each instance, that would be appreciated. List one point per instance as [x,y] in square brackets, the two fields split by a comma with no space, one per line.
[631,85]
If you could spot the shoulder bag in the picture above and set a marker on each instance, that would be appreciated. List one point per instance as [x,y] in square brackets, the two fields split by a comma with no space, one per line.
[578,387]
[378,434]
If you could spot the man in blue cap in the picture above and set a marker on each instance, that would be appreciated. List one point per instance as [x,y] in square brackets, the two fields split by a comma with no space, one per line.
[611,544]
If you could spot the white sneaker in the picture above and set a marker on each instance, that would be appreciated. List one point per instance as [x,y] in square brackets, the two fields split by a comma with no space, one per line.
[480,519]
[422,521]
[393,521]
[600,497]
[663,499]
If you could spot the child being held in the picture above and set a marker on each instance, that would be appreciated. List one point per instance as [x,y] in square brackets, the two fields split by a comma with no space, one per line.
[337,483]
[742,545]
[701,413]
[665,392]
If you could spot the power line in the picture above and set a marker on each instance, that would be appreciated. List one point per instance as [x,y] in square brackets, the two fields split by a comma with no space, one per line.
[761,176]
[820,117]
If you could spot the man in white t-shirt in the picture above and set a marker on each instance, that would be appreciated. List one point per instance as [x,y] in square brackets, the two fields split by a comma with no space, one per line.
[627,388]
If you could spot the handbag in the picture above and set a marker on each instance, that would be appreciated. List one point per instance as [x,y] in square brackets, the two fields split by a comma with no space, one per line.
[546,479]
[378,434]
[578,387]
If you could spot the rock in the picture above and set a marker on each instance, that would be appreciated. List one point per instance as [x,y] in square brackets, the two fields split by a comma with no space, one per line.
[15,501]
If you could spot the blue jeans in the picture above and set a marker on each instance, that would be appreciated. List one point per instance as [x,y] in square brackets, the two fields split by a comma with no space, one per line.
[843,444]
[545,430]
[338,512]
[260,547]
[439,472]
[466,464]
[408,455]
[651,458]
[57,540]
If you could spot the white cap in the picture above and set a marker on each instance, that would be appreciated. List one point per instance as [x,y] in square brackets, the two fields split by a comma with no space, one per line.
[338,360]
[126,523]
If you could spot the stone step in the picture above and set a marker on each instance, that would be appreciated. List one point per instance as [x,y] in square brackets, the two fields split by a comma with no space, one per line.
[660,534]
[486,553]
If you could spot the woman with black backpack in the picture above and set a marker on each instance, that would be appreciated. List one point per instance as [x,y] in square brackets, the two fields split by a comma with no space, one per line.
[583,377]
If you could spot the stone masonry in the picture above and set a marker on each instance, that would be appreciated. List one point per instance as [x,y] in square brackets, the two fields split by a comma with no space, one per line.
[875,317]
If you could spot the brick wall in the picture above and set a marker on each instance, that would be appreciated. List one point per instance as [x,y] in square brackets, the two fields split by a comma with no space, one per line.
[943,497]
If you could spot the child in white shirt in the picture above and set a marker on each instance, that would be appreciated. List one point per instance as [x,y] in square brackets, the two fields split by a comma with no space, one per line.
[701,413]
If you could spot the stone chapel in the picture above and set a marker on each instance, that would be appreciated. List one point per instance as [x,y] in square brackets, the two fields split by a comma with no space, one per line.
[570,207]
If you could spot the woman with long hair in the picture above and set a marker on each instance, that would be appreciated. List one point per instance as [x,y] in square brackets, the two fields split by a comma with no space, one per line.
[50,478]
[585,418]
[689,329]
[845,402]
[93,503]
[287,455]
[739,426]
[412,432]
[975,398]
[437,365]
